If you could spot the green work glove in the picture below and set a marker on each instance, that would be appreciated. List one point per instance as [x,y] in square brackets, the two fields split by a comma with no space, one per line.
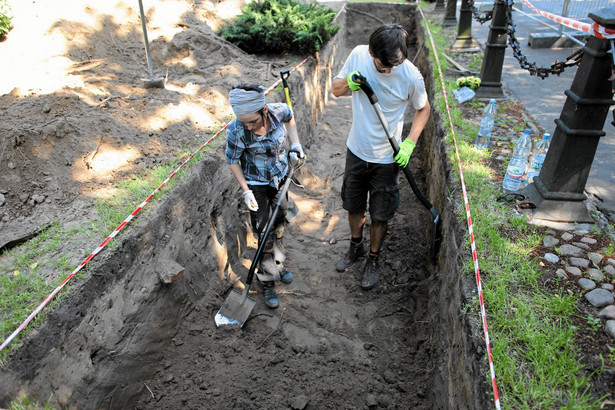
[405,150]
[351,84]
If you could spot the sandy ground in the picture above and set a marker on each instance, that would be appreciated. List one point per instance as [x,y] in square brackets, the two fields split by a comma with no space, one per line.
[75,122]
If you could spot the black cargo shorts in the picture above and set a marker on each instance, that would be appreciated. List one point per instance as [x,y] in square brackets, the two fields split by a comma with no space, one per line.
[378,182]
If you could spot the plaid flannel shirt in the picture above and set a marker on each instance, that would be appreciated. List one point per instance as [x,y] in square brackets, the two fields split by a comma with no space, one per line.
[262,157]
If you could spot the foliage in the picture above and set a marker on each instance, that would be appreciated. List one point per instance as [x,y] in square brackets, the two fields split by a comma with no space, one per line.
[6,18]
[471,81]
[281,26]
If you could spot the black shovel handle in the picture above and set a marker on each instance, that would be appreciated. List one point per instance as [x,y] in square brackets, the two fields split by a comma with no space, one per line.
[373,99]
[262,241]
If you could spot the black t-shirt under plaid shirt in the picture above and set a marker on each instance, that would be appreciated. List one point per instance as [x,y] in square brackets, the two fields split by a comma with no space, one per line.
[262,157]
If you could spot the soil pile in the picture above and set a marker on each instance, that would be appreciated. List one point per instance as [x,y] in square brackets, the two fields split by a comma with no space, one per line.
[330,344]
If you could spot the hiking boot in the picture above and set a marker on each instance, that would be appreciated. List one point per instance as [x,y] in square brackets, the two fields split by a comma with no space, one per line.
[371,273]
[354,253]
[271,296]
[286,276]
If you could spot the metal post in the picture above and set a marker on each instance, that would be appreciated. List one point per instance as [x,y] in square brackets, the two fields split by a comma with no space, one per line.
[464,31]
[439,5]
[558,190]
[495,50]
[451,11]
[565,10]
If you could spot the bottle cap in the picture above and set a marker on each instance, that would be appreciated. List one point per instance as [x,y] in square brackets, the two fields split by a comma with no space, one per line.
[527,131]
[546,136]
[492,101]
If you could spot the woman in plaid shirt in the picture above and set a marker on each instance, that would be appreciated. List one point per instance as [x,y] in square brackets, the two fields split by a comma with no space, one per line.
[256,152]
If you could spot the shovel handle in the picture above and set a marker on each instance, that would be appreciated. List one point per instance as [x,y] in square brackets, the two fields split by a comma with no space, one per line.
[373,99]
[285,74]
[262,241]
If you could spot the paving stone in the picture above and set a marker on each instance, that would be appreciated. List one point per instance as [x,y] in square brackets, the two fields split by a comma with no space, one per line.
[595,275]
[610,261]
[608,286]
[580,262]
[590,241]
[599,297]
[550,241]
[587,284]
[609,328]
[581,245]
[570,250]
[561,273]
[551,257]
[596,258]
[608,312]
[582,229]
[609,270]
[574,270]
[566,236]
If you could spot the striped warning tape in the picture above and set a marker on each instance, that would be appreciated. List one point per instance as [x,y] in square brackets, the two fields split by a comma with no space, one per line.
[595,29]
[469,218]
[123,224]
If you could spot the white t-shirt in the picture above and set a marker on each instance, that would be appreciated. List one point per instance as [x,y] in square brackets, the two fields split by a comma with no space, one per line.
[367,139]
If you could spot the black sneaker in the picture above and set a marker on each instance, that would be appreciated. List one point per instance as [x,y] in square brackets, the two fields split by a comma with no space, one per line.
[354,253]
[371,274]
[271,296]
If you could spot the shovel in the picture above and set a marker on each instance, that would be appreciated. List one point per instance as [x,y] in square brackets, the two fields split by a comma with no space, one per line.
[150,82]
[238,306]
[293,209]
[436,232]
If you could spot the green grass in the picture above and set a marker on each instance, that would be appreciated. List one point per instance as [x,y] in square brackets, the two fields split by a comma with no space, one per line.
[536,362]
[24,278]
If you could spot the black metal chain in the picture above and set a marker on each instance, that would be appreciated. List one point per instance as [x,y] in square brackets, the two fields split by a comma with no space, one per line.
[543,72]
[481,18]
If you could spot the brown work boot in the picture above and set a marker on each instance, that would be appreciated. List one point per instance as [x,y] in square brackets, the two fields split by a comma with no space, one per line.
[371,273]
[355,252]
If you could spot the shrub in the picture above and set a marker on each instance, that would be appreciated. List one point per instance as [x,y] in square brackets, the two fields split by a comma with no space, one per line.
[281,26]
[6,18]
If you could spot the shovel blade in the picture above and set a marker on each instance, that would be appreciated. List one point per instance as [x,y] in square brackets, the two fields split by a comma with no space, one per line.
[235,310]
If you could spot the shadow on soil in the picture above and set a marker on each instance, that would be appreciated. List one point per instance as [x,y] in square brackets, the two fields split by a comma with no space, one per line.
[124,339]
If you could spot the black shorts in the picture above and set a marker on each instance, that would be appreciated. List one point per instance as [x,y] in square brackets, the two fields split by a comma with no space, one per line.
[379,182]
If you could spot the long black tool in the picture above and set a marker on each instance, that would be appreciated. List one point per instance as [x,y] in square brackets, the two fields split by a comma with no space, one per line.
[285,74]
[436,234]
[238,306]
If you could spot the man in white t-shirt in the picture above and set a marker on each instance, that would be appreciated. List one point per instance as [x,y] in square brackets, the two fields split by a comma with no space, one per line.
[372,171]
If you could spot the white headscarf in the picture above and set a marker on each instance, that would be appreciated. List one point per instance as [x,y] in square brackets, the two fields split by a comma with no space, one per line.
[246,102]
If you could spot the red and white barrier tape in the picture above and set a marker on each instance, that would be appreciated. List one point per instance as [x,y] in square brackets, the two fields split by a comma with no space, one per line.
[595,29]
[469,218]
[123,224]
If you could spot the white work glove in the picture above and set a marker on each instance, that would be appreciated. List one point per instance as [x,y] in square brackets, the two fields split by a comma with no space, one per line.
[250,200]
[296,154]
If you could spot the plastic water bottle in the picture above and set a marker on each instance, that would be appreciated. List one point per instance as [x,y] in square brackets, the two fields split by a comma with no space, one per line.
[538,157]
[513,179]
[486,125]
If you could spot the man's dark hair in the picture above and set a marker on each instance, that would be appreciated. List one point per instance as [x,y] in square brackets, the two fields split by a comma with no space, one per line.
[389,44]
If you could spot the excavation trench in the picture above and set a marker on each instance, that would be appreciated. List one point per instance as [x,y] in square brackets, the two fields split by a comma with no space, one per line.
[125,339]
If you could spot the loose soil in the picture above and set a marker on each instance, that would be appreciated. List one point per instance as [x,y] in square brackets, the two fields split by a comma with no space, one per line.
[75,122]
[71,133]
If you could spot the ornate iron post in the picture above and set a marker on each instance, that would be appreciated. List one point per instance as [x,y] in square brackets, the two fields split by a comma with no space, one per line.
[495,50]
[451,10]
[464,31]
[558,190]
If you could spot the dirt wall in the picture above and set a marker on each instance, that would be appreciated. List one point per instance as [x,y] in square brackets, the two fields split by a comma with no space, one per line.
[95,350]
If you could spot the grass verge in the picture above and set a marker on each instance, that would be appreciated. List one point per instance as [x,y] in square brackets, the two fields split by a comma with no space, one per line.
[537,364]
